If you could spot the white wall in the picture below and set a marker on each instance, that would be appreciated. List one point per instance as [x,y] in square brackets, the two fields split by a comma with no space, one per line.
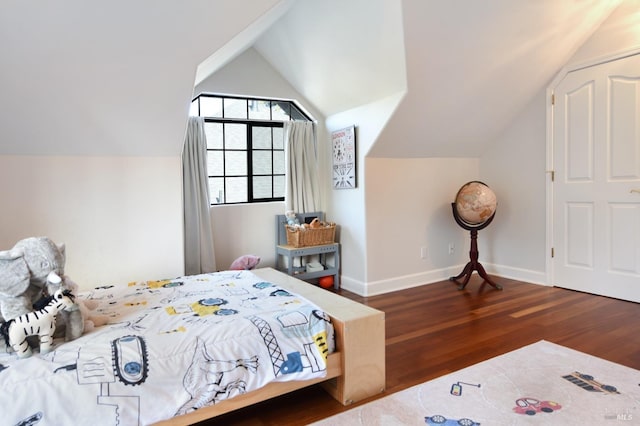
[348,207]
[120,217]
[399,206]
[513,245]
[409,207]
[245,229]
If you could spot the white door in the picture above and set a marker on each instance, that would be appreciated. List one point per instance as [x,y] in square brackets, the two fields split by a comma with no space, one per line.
[596,190]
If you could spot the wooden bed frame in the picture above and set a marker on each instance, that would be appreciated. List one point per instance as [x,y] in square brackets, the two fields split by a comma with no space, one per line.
[354,372]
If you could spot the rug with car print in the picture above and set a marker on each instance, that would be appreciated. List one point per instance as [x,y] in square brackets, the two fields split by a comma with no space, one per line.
[539,384]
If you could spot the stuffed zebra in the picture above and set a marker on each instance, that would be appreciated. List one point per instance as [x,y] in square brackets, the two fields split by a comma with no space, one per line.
[40,323]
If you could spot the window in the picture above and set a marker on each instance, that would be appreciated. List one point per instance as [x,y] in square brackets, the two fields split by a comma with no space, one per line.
[245,146]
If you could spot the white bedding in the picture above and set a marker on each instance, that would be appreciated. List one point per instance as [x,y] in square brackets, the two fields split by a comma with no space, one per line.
[170,347]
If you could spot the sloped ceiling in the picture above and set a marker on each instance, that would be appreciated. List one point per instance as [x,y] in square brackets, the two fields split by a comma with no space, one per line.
[473,66]
[107,78]
[116,77]
[339,54]
[467,67]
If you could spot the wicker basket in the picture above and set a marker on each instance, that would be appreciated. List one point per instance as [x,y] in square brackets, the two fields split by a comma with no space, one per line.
[297,237]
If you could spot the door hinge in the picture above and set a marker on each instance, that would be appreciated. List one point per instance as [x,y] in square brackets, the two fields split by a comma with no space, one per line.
[553,174]
[553,99]
[553,252]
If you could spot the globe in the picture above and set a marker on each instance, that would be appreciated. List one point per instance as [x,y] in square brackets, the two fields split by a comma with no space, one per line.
[474,209]
[475,203]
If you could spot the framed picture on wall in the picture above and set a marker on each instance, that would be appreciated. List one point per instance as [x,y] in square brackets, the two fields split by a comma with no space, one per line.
[343,143]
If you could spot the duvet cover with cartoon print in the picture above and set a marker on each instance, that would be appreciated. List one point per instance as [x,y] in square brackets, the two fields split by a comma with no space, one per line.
[170,347]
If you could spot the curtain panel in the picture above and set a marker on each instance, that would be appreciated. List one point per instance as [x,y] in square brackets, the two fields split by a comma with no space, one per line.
[199,254]
[302,193]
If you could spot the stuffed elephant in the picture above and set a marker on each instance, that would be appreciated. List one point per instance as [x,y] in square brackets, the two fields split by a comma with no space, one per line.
[23,280]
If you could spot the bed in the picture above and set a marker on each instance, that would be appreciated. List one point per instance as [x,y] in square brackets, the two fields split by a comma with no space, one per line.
[179,351]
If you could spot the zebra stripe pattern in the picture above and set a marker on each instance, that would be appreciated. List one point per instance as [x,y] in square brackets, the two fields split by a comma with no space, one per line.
[41,323]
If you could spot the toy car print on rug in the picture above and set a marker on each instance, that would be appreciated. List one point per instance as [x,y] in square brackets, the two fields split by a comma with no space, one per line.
[542,383]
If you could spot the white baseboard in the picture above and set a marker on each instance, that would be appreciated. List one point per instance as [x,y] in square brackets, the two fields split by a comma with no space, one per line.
[374,288]
[527,275]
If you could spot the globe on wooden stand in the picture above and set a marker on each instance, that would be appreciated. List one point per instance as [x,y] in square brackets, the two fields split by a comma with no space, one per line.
[474,209]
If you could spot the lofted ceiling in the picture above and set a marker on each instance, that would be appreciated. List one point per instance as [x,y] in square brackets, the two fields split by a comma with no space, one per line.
[111,78]
[473,66]
[339,54]
[466,67]
[116,78]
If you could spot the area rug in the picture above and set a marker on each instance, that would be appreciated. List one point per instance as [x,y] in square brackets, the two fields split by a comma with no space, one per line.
[539,384]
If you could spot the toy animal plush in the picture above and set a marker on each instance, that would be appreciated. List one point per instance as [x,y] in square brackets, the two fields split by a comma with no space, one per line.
[245,262]
[23,278]
[292,219]
[23,273]
[40,323]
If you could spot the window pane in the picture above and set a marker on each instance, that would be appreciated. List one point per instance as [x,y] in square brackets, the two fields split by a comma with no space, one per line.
[216,190]
[193,109]
[296,114]
[259,109]
[262,187]
[278,186]
[262,162]
[213,132]
[235,163]
[235,108]
[261,138]
[280,111]
[235,136]
[237,190]
[278,162]
[210,106]
[232,179]
[215,166]
[278,138]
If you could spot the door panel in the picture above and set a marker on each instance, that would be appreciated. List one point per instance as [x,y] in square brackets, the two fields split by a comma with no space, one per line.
[623,237]
[596,156]
[623,145]
[579,236]
[579,134]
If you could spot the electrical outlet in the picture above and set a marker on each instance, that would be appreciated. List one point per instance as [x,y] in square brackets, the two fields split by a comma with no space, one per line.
[452,248]
[423,252]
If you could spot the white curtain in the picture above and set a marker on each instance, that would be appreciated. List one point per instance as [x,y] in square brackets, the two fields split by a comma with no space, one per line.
[301,192]
[198,239]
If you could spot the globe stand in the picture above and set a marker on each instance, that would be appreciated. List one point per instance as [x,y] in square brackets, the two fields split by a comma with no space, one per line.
[473,264]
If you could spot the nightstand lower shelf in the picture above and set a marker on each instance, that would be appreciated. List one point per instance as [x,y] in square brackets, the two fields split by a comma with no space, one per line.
[324,252]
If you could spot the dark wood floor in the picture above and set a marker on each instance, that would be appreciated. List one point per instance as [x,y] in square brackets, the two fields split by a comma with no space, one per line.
[435,329]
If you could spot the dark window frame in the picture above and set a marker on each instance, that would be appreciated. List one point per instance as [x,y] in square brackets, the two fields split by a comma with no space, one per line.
[292,110]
